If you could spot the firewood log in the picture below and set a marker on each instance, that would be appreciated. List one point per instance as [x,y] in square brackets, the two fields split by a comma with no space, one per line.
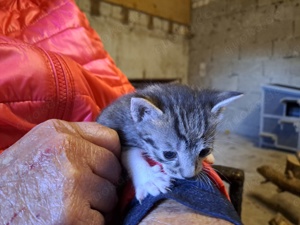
[284,202]
[293,165]
[279,220]
[286,184]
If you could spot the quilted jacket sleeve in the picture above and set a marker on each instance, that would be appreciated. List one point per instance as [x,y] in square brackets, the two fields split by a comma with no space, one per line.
[53,65]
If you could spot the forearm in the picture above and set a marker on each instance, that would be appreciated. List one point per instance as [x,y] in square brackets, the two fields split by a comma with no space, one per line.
[172,212]
[20,206]
[23,191]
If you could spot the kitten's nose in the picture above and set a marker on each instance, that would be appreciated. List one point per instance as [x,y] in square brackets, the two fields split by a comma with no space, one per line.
[187,173]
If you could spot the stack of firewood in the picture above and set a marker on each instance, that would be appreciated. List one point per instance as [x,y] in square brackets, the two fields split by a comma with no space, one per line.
[288,204]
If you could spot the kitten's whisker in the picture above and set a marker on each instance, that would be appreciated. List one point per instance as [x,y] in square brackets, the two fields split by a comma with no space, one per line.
[208,178]
[211,137]
[201,181]
[204,177]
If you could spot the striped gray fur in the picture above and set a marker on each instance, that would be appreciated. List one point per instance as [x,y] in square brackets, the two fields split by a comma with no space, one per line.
[178,119]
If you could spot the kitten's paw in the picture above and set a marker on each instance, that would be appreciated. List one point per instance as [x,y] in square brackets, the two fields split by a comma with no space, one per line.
[154,183]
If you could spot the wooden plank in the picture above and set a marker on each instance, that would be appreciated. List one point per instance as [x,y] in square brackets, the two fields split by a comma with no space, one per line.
[175,10]
[95,8]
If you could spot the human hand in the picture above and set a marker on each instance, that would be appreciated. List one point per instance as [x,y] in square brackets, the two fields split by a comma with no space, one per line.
[60,173]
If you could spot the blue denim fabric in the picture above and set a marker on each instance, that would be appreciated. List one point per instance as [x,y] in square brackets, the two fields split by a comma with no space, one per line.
[203,197]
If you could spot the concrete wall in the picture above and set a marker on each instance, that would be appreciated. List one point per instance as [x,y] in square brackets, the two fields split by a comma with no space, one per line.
[141,53]
[240,45]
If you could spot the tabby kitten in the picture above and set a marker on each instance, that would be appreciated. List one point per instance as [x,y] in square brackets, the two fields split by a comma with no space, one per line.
[172,124]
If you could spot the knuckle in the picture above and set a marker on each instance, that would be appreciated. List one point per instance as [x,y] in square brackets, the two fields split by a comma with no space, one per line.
[113,133]
[103,130]
[48,126]
[63,139]
[51,123]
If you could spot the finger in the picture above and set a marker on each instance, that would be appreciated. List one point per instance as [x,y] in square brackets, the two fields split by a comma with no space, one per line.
[99,135]
[102,162]
[100,193]
[90,131]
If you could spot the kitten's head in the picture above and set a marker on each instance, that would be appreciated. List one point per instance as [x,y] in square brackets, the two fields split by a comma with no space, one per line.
[177,125]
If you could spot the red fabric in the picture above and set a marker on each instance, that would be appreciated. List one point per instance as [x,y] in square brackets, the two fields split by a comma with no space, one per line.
[53,65]
[212,174]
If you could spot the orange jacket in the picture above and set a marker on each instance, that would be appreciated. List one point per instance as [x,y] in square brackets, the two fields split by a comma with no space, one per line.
[52,65]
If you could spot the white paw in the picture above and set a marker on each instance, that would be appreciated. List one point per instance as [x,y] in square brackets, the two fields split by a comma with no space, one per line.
[154,183]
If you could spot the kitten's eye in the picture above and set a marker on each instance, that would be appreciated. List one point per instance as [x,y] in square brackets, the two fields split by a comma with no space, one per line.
[169,154]
[204,152]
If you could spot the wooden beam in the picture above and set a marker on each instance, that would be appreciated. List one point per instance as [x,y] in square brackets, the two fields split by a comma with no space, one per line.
[174,10]
[95,8]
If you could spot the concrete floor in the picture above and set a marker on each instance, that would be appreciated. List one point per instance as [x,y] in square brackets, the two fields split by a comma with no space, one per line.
[235,151]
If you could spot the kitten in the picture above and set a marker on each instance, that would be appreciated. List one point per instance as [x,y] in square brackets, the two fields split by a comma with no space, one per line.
[172,124]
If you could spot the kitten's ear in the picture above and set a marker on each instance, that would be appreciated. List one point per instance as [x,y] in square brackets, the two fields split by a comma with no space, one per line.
[222,99]
[143,110]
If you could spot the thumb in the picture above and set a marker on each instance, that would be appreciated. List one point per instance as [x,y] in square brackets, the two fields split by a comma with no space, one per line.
[99,135]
